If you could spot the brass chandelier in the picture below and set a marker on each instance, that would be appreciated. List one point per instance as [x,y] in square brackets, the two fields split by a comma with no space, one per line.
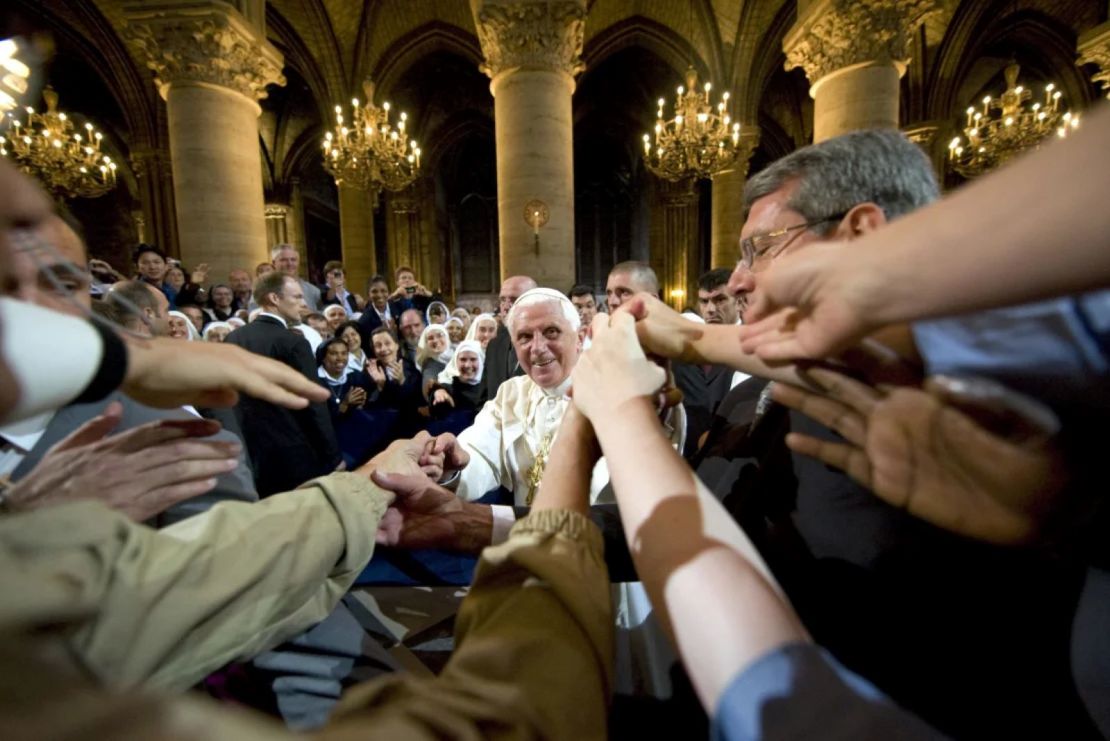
[368,152]
[51,148]
[699,142]
[1005,127]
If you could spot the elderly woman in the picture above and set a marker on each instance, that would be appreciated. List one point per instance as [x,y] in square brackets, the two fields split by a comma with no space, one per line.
[483,329]
[458,392]
[348,332]
[360,433]
[216,331]
[433,352]
[182,327]
[437,313]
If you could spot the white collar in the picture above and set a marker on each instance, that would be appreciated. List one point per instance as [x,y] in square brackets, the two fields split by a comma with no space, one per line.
[274,316]
[556,392]
[322,373]
[26,433]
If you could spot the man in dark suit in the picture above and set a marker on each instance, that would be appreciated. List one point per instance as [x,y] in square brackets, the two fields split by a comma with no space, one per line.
[704,386]
[501,363]
[378,312]
[286,447]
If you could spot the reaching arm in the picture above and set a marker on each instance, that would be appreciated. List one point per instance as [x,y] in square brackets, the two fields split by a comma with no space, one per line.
[1038,228]
[700,584]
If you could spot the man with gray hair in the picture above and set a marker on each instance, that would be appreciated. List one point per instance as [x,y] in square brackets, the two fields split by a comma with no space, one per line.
[287,260]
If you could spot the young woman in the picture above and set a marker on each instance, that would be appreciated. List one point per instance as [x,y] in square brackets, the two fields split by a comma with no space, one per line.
[456,330]
[433,352]
[360,433]
[483,329]
[348,332]
[395,381]
[459,393]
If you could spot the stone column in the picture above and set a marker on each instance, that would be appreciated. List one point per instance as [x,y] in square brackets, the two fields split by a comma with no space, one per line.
[925,136]
[276,231]
[728,204]
[854,54]
[1094,48]
[674,250]
[211,66]
[356,230]
[155,177]
[532,53]
[403,234]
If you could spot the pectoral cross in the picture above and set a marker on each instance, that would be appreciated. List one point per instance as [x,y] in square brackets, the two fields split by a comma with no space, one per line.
[535,473]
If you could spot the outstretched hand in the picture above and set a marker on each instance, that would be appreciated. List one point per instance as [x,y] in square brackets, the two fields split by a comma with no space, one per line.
[971,458]
[615,369]
[661,330]
[140,472]
[162,373]
[804,308]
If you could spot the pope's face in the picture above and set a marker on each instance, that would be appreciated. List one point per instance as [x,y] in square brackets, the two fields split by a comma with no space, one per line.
[546,345]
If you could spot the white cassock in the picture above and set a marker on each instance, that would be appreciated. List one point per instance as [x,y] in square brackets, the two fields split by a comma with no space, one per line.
[510,431]
[503,444]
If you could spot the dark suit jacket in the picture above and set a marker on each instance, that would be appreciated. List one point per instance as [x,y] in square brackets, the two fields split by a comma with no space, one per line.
[501,363]
[701,393]
[287,447]
[236,485]
[415,301]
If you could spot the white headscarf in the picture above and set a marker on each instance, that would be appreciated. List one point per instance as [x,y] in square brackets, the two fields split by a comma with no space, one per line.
[194,335]
[330,308]
[216,325]
[457,321]
[451,372]
[428,313]
[472,333]
[422,351]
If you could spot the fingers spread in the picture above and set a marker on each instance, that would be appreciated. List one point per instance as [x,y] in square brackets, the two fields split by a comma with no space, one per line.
[163,431]
[94,430]
[847,458]
[858,396]
[829,412]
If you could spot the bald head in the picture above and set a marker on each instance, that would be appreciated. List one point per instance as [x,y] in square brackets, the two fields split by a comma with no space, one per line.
[511,289]
[629,278]
[141,307]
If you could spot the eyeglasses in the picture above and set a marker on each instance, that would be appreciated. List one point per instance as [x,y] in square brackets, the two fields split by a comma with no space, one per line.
[756,246]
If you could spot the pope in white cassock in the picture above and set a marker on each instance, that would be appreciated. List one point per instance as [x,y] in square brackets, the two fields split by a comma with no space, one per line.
[512,435]
[508,446]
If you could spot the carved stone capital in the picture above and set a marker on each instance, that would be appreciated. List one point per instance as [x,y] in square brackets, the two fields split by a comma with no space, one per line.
[202,41]
[537,35]
[835,34]
[1094,48]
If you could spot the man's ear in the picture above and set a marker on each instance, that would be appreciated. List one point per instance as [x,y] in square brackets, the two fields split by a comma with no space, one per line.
[862,219]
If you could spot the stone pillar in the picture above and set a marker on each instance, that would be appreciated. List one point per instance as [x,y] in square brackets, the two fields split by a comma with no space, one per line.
[674,251]
[356,230]
[155,177]
[925,136]
[728,204]
[532,52]
[403,235]
[854,54]
[1094,48]
[211,66]
[276,231]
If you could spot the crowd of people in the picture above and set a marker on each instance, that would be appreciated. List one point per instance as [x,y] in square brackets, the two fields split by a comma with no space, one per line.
[848,494]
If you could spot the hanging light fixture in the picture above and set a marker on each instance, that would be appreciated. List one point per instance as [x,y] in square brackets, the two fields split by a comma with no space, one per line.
[50,147]
[367,151]
[14,76]
[1004,127]
[699,142]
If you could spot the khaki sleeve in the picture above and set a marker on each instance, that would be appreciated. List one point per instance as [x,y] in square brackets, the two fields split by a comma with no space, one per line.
[164,608]
[534,644]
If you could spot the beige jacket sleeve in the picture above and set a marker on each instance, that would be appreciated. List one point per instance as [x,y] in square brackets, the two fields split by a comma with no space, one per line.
[164,608]
[533,655]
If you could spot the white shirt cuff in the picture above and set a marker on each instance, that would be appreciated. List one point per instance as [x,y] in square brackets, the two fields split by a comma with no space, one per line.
[503,519]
